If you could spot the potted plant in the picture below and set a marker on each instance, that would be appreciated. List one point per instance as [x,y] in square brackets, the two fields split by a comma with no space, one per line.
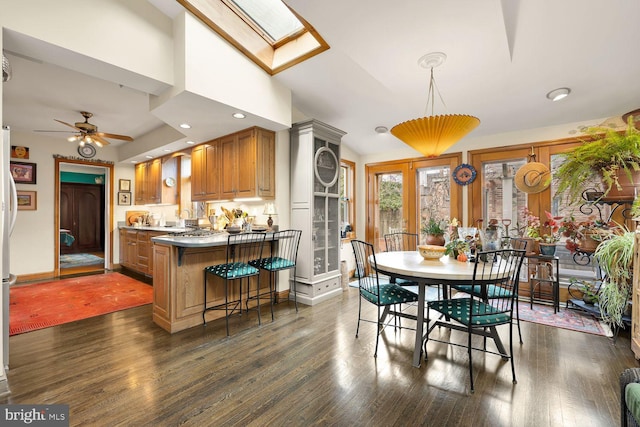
[584,235]
[588,290]
[434,230]
[615,257]
[613,156]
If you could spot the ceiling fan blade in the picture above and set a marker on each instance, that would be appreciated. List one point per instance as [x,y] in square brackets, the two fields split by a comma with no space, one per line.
[99,139]
[63,131]
[114,136]
[67,124]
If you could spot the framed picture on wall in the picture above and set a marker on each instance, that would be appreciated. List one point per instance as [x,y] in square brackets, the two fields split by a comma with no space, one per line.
[26,200]
[124,197]
[22,172]
[19,152]
[125,185]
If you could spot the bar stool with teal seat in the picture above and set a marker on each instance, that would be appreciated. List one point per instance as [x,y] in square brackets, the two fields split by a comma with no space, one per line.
[284,255]
[241,248]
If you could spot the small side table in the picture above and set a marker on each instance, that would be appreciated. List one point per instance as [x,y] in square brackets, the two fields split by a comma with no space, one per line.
[544,271]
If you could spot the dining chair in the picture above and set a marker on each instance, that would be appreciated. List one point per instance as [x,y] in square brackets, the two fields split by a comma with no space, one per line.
[371,290]
[284,255]
[401,241]
[241,249]
[495,291]
[480,315]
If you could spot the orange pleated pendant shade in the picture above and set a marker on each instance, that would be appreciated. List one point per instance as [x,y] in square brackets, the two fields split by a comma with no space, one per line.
[433,135]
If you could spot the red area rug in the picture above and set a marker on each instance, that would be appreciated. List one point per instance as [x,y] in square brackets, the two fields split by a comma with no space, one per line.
[42,305]
[565,318]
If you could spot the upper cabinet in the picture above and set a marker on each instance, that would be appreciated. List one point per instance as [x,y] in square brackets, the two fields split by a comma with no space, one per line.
[205,167]
[246,167]
[155,181]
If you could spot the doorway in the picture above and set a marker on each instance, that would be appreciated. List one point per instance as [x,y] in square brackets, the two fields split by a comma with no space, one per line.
[83,217]
[402,194]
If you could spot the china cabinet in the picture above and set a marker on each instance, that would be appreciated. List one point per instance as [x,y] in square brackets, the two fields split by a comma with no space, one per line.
[315,197]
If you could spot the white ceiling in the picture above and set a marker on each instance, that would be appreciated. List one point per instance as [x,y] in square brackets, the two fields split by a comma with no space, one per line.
[503,57]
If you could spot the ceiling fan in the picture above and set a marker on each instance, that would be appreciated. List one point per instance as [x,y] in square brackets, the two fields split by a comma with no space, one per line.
[87,133]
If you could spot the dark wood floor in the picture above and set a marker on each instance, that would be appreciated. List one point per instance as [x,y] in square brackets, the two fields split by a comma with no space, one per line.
[309,369]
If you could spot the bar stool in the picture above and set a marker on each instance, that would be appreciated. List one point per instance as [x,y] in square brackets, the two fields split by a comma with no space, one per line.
[241,248]
[284,254]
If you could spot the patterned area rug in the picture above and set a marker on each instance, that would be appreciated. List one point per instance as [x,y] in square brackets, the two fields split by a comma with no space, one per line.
[42,305]
[79,260]
[565,318]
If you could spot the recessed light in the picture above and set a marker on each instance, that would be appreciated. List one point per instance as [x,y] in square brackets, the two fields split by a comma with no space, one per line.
[558,94]
[134,161]
[185,126]
[166,150]
[149,157]
[238,116]
[190,142]
[382,129]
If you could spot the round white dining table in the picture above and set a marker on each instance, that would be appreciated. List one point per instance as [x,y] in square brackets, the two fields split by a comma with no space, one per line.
[412,266]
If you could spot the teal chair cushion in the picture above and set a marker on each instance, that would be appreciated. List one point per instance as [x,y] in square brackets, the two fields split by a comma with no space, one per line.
[273,264]
[389,294]
[632,399]
[459,310]
[234,270]
[493,291]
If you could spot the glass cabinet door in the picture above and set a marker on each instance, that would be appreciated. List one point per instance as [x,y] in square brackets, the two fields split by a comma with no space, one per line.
[326,218]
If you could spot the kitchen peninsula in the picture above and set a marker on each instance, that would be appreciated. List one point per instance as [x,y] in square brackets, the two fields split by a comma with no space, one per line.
[178,278]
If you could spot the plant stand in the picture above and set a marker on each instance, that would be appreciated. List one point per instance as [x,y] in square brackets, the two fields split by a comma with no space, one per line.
[544,279]
[594,310]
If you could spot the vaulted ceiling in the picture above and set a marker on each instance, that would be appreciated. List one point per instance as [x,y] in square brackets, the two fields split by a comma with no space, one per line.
[503,57]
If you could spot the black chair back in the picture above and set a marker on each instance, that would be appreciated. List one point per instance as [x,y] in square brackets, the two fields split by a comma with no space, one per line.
[401,241]
[242,248]
[500,268]
[365,267]
[285,252]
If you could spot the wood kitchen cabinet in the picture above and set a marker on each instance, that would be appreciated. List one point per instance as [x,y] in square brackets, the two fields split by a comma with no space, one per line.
[156,181]
[205,171]
[248,164]
[136,250]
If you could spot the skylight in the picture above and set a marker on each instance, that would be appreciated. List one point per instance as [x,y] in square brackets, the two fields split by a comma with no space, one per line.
[271,16]
[266,31]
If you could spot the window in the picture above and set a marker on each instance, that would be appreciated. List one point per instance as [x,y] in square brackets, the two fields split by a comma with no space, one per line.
[268,32]
[347,197]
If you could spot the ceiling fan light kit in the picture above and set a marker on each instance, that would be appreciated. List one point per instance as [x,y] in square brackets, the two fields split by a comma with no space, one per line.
[433,135]
[87,133]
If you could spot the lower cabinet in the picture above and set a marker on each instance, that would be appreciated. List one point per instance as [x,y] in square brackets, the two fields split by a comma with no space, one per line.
[178,286]
[136,250]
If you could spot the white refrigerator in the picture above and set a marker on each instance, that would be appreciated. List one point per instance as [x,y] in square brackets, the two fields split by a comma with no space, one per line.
[9,204]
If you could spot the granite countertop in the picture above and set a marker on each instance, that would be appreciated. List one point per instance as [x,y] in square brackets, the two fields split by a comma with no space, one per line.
[167,228]
[219,239]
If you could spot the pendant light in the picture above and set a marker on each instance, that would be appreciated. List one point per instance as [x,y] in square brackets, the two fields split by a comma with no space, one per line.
[433,135]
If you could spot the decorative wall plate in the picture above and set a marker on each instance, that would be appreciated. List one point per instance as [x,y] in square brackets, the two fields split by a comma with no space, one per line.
[464,174]
[87,151]
[170,182]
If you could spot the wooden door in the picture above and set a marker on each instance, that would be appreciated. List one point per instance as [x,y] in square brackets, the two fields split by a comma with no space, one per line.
[82,212]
